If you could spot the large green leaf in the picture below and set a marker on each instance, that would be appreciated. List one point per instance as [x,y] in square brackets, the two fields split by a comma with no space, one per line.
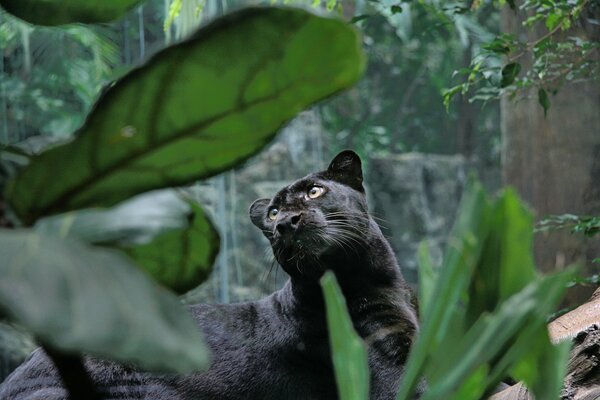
[347,348]
[58,12]
[181,259]
[194,109]
[487,318]
[79,299]
[462,253]
[506,264]
[165,233]
[505,337]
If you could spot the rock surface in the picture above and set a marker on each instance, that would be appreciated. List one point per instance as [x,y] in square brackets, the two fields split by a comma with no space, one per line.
[416,196]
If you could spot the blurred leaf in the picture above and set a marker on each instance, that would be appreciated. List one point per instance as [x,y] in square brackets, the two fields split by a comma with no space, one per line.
[75,298]
[181,259]
[506,264]
[448,94]
[488,316]
[490,337]
[474,386]
[348,350]
[462,254]
[167,235]
[552,20]
[396,9]
[190,112]
[12,160]
[174,10]
[544,369]
[588,225]
[58,12]
[359,18]
[498,45]
[544,100]
[509,73]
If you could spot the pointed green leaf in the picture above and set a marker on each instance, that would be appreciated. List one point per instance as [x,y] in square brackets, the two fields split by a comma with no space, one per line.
[195,109]
[497,323]
[499,45]
[347,348]
[506,264]
[76,298]
[509,73]
[58,12]
[544,100]
[462,253]
[506,336]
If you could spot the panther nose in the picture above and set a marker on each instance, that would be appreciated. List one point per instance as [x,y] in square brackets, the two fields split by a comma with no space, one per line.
[289,223]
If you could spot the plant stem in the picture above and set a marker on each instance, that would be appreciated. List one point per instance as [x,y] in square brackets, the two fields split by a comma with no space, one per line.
[75,378]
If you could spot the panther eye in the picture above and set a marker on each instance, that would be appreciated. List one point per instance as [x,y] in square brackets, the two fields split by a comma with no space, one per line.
[315,192]
[273,214]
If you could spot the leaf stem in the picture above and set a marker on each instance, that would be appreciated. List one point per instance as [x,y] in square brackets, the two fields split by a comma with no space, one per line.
[73,374]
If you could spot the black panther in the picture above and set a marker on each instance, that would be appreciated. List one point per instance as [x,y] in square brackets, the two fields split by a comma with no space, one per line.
[277,347]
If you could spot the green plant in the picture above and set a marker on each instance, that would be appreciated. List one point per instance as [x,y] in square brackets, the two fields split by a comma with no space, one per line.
[413,47]
[589,226]
[41,93]
[552,55]
[483,314]
[187,114]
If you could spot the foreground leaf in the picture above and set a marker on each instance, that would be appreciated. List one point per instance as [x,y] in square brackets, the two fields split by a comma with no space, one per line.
[195,109]
[348,350]
[487,319]
[504,338]
[506,263]
[181,259]
[58,12]
[167,235]
[462,254]
[79,299]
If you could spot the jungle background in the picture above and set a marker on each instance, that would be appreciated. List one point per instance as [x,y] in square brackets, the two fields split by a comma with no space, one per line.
[437,104]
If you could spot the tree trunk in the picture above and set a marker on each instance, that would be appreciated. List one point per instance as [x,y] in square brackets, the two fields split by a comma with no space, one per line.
[554,161]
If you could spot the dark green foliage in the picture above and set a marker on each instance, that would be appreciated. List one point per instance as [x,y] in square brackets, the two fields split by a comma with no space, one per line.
[193,110]
[509,74]
[413,48]
[484,313]
[587,225]
[58,12]
[560,55]
[190,113]
[42,92]
[180,259]
[77,298]
[544,100]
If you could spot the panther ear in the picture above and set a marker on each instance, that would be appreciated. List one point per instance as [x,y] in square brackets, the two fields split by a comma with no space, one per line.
[257,212]
[346,168]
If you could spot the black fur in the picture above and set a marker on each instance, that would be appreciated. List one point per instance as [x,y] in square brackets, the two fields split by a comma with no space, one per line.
[277,347]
